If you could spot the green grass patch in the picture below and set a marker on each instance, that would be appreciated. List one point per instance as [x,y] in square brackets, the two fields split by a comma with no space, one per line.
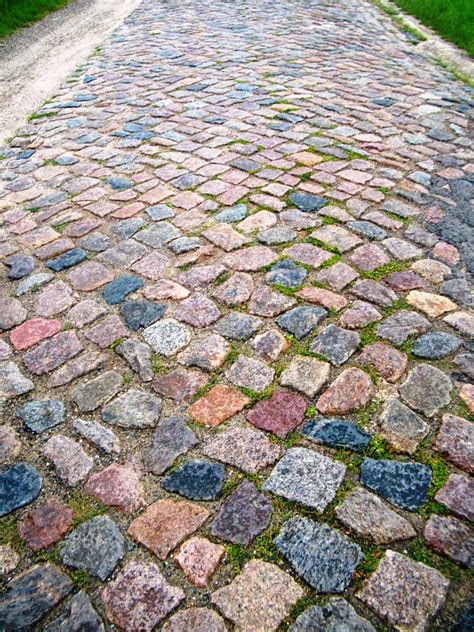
[385,270]
[452,19]
[17,13]
[84,508]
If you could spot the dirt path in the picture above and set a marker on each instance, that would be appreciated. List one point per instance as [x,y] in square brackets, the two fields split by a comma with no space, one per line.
[36,60]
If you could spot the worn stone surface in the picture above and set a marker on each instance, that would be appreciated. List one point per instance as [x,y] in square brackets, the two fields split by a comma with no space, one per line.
[207,353]
[243,515]
[436,345]
[98,435]
[385,360]
[449,536]
[220,403]
[39,416]
[72,463]
[180,384]
[196,619]
[167,336]
[336,433]
[306,375]
[404,592]
[458,496]
[350,391]
[301,321]
[238,326]
[9,444]
[95,547]
[336,344]
[31,595]
[249,373]
[335,616]
[197,480]
[77,614]
[426,389]
[52,353]
[19,486]
[97,391]
[403,484]
[455,441]
[32,332]
[246,449]
[12,381]
[369,517]
[46,524]
[139,597]
[199,559]
[259,598]
[117,486]
[9,559]
[401,427]
[280,414]
[171,439]
[165,523]
[133,409]
[401,325]
[322,556]
[307,477]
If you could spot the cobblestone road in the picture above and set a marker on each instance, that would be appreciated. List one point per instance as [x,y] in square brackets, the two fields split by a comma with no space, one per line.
[236,353]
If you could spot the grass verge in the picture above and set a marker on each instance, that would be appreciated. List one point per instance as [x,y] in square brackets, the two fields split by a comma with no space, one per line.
[17,13]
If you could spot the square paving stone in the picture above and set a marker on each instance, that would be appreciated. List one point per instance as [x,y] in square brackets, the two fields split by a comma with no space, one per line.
[139,597]
[306,375]
[238,326]
[322,556]
[243,515]
[456,441]
[369,517]
[337,237]
[306,477]
[401,427]
[117,486]
[336,344]
[405,593]
[45,524]
[458,496]
[95,547]
[403,484]
[180,384]
[259,598]
[243,448]
[39,416]
[165,523]
[451,537]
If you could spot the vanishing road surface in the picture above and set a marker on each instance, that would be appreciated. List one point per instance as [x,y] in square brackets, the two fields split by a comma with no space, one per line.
[236,338]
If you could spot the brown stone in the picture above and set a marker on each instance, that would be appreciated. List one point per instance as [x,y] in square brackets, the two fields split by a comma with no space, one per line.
[46,524]
[326,298]
[351,391]
[89,276]
[10,446]
[386,360]
[219,404]
[180,384]
[433,305]
[165,523]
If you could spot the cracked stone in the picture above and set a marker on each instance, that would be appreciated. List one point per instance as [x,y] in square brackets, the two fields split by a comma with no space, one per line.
[97,391]
[138,356]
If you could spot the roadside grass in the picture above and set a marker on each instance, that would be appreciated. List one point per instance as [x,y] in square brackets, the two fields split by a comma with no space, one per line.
[452,19]
[17,13]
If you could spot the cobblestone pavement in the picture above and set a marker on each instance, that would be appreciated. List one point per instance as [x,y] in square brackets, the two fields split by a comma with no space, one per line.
[236,353]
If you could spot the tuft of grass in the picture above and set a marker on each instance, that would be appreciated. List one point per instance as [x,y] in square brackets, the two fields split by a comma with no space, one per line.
[9,534]
[439,476]
[368,335]
[378,448]
[84,508]
[39,115]
[15,15]
[385,270]
[366,414]
[305,176]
